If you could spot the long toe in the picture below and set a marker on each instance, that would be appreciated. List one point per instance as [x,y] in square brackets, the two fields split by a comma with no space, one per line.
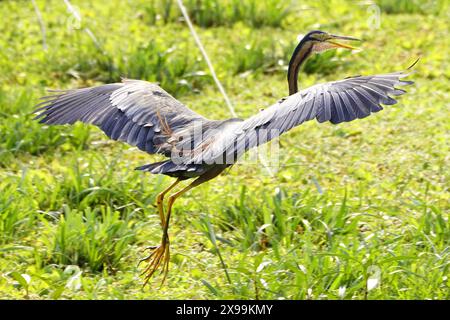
[160,256]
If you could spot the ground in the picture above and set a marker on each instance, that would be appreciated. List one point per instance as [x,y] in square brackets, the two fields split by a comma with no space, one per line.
[358,210]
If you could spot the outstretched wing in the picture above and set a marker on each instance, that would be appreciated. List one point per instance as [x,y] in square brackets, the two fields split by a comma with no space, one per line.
[339,101]
[137,112]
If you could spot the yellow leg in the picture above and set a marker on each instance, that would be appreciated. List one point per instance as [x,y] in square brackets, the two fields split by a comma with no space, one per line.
[160,200]
[161,253]
[171,201]
[159,203]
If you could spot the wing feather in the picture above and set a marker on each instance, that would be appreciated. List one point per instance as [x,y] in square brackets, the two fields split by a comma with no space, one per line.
[134,111]
[144,115]
[339,101]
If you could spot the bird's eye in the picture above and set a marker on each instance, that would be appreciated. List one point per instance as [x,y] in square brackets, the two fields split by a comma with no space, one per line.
[319,37]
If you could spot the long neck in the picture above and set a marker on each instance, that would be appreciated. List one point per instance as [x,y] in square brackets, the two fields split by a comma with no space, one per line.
[301,53]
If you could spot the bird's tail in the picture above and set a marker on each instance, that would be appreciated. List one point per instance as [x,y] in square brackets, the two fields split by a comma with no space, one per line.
[155,167]
[182,171]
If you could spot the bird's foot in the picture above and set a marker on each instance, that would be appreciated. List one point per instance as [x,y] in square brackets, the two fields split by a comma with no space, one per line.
[159,255]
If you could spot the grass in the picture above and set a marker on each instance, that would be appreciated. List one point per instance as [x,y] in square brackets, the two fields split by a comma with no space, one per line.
[354,211]
[96,240]
[213,13]
[413,7]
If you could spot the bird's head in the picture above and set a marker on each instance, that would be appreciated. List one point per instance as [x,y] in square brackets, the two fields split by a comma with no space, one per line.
[314,42]
[320,41]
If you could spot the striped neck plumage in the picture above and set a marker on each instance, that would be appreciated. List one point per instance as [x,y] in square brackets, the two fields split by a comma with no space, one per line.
[301,53]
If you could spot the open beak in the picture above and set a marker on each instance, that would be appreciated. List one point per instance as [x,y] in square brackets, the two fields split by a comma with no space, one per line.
[341,45]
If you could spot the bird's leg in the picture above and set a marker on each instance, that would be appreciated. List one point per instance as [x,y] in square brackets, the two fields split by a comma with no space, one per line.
[170,202]
[159,203]
[160,200]
[162,252]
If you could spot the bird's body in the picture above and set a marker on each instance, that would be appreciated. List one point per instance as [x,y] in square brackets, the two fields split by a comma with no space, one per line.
[144,115]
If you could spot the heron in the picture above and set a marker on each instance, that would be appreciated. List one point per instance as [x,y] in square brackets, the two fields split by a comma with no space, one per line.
[147,117]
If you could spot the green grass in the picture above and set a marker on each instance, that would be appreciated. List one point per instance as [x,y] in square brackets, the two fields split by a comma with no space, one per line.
[413,6]
[213,13]
[355,211]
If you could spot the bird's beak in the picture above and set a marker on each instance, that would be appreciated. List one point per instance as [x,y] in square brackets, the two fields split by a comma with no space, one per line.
[341,45]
